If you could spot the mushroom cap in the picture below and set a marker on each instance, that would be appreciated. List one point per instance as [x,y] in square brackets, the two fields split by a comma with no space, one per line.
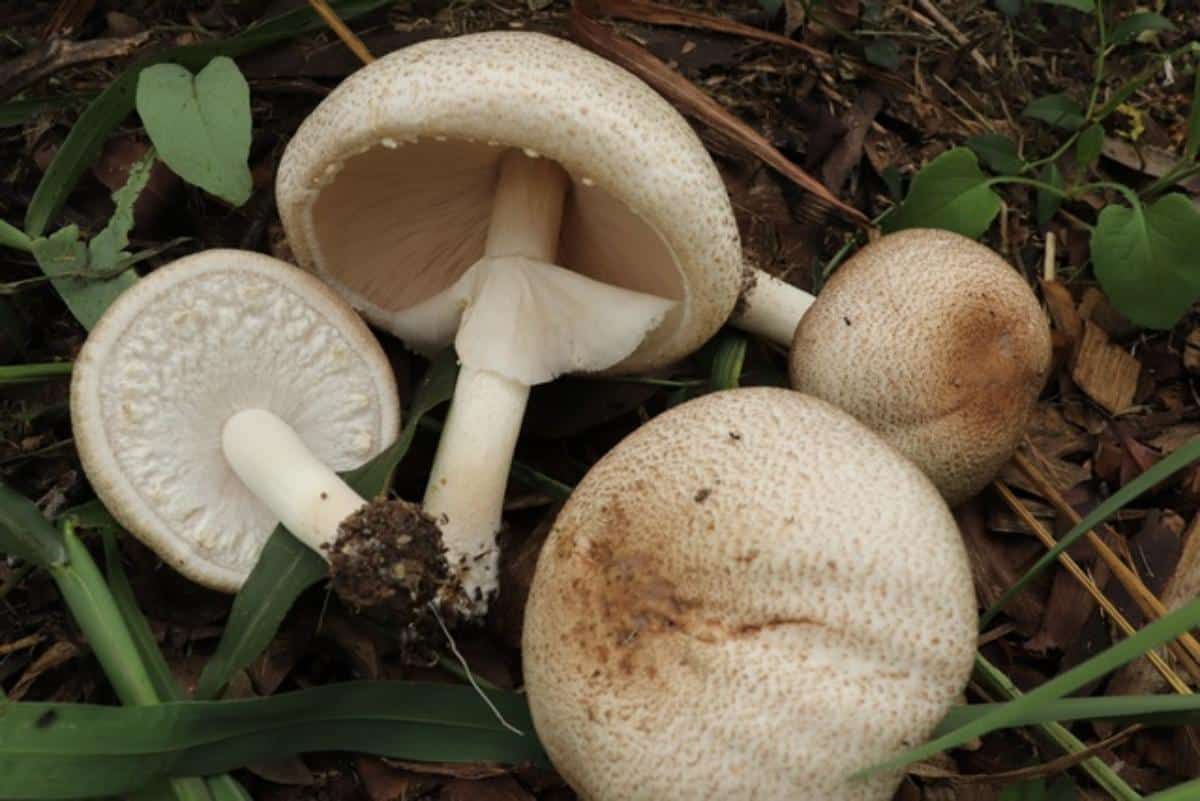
[750,596]
[936,343]
[180,352]
[386,189]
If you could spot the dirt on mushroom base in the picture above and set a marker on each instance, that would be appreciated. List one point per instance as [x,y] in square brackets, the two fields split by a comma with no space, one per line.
[389,558]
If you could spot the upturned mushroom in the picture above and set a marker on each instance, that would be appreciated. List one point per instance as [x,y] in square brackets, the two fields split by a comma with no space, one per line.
[216,398]
[750,597]
[530,202]
[934,342]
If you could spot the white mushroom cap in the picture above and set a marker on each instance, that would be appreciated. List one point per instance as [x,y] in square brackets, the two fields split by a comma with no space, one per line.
[936,343]
[181,352]
[750,597]
[386,189]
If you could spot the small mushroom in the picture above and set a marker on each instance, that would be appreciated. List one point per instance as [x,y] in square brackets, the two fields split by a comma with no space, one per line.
[532,203]
[217,396]
[751,596]
[933,341]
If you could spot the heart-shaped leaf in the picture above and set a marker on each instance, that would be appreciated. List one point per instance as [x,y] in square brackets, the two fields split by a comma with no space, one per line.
[1061,111]
[65,260]
[998,152]
[200,125]
[1089,145]
[951,192]
[1135,25]
[1147,259]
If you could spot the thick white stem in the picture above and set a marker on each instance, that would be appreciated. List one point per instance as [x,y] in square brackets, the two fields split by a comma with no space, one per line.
[275,464]
[772,309]
[465,494]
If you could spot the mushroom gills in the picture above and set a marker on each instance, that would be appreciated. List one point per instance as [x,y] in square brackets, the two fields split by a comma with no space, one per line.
[327,515]
[521,320]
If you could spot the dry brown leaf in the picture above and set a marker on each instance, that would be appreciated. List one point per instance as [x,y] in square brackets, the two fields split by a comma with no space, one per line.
[1106,372]
[55,656]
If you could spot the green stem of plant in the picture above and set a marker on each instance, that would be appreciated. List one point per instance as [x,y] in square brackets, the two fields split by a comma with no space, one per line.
[1069,192]
[995,681]
[1141,79]
[1101,55]
[28,373]
[1181,172]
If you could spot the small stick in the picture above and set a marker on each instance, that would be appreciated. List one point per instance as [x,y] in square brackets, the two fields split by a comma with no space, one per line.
[1035,525]
[958,36]
[1148,602]
[344,33]
[1049,267]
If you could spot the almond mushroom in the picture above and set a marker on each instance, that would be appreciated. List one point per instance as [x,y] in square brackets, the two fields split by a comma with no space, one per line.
[217,397]
[750,597]
[936,343]
[530,202]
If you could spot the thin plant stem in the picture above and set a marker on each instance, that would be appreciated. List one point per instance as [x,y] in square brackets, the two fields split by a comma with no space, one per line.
[996,681]
[1181,172]
[1102,54]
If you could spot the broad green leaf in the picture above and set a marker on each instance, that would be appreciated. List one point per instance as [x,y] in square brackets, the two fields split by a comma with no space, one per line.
[200,125]
[26,534]
[106,247]
[1192,147]
[1182,457]
[1147,259]
[1060,110]
[15,238]
[112,106]
[1048,202]
[883,52]
[65,259]
[998,152]
[1089,145]
[727,363]
[1079,5]
[951,192]
[286,567]
[894,181]
[1150,637]
[1135,25]
[86,751]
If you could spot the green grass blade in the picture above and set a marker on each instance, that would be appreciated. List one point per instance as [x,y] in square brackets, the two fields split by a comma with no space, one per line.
[80,750]
[16,112]
[286,567]
[1150,637]
[13,237]
[1166,468]
[993,679]
[93,607]
[727,364]
[113,105]
[1189,791]
[30,373]
[26,534]
[1148,710]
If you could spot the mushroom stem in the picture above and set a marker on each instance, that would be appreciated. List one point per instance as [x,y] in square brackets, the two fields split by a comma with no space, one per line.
[771,308]
[465,494]
[308,498]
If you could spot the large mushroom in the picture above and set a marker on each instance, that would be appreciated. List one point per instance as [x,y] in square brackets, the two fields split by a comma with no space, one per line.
[934,342]
[532,203]
[217,397]
[750,597]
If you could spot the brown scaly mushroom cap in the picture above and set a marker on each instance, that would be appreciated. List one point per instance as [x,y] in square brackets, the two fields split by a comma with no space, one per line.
[936,343]
[751,596]
[528,201]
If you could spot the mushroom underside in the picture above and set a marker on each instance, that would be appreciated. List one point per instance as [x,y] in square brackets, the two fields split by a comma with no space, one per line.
[401,222]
